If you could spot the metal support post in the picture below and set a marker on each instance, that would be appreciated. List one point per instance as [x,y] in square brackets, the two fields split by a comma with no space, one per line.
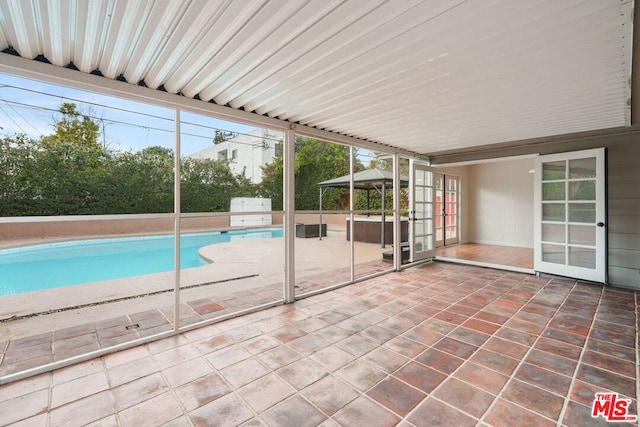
[289,214]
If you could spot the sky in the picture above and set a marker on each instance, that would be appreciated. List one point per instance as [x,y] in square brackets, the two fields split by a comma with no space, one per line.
[31,107]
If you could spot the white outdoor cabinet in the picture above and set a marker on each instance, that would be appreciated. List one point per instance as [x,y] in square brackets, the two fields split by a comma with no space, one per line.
[250,204]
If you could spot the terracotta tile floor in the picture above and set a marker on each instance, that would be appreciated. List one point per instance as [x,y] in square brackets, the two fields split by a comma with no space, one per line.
[438,344]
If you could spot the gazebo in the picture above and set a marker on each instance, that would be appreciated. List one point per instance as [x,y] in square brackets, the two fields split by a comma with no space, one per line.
[369,179]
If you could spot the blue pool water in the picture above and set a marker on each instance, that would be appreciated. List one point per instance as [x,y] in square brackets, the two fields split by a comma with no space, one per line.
[53,265]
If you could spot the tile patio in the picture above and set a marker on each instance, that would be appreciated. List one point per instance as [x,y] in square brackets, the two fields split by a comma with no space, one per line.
[437,344]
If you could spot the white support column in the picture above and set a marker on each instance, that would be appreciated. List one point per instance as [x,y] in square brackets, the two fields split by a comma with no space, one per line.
[289,214]
[176,227]
[352,240]
[397,221]
[383,215]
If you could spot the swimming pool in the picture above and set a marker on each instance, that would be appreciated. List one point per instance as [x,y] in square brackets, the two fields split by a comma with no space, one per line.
[53,265]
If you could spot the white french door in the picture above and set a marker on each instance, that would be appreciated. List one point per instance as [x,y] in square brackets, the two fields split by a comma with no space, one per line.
[569,217]
[446,209]
[421,217]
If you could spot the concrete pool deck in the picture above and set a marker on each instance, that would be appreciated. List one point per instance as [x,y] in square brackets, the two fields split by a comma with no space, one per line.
[236,267]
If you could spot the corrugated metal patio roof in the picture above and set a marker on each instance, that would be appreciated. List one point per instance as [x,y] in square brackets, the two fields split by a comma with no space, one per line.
[425,76]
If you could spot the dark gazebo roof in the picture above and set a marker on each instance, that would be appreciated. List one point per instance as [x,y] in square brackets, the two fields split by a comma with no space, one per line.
[366,179]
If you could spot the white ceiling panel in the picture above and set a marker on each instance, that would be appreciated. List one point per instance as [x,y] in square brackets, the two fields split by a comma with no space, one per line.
[422,75]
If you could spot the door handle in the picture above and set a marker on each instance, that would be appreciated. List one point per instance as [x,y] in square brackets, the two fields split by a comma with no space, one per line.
[600,224]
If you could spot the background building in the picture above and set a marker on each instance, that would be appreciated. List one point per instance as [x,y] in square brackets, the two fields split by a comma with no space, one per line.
[246,153]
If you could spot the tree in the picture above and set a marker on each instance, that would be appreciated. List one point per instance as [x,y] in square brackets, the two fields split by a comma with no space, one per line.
[222,136]
[16,174]
[209,186]
[59,174]
[69,179]
[70,164]
[316,161]
[74,127]
[142,182]
[271,185]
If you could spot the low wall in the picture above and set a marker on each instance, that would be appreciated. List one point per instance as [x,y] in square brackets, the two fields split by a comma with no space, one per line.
[13,234]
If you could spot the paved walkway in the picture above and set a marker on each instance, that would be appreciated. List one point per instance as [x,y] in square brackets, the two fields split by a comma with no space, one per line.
[437,344]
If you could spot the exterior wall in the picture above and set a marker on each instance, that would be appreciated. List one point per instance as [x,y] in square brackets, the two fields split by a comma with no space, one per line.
[253,151]
[623,171]
[501,203]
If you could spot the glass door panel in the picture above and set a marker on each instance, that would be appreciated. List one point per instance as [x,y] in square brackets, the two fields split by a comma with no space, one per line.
[570,215]
[422,223]
[439,209]
[451,210]
[446,209]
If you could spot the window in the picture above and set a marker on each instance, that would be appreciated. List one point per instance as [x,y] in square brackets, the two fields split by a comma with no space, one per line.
[234,154]
[222,155]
